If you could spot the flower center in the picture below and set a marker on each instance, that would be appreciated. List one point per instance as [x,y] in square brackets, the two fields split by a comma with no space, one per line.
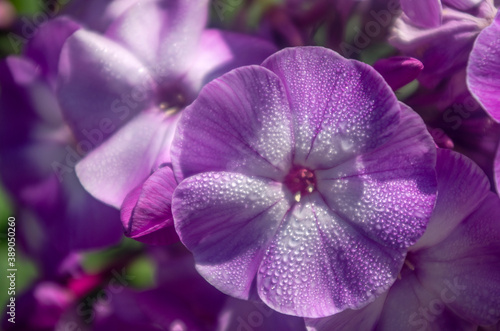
[301,181]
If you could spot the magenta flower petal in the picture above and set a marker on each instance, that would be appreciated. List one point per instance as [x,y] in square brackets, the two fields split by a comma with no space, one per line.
[146,211]
[163,35]
[127,158]
[424,13]
[483,70]
[497,170]
[100,82]
[244,127]
[325,262]
[398,70]
[220,51]
[318,80]
[366,190]
[463,4]
[227,221]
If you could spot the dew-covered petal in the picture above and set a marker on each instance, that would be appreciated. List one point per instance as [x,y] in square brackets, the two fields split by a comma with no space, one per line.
[127,158]
[163,34]
[424,13]
[100,85]
[387,194]
[462,186]
[240,122]
[468,263]
[340,107]
[483,70]
[45,47]
[398,70]
[220,51]
[318,264]
[146,212]
[227,221]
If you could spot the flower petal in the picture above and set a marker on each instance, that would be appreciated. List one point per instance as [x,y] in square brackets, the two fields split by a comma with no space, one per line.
[220,51]
[318,265]
[240,122]
[146,212]
[425,13]
[387,194]
[463,4]
[127,158]
[341,107]
[497,170]
[398,70]
[483,70]
[462,186]
[468,264]
[227,220]
[46,46]
[100,81]
[164,35]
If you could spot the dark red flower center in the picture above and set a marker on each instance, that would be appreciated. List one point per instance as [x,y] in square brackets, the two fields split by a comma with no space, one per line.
[300,181]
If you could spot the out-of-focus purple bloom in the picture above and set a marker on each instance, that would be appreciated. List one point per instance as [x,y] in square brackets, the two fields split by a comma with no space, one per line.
[122,90]
[483,71]
[304,179]
[398,70]
[443,49]
[497,170]
[34,143]
[425,14]
[451,279]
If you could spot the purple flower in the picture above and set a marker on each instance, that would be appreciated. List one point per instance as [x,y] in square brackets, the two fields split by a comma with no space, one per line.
[304,179]
[443,45]
[497,170]
[483,71]
[451,277]
[122,92]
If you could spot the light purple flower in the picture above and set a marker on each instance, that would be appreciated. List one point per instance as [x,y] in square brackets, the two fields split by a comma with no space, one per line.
[451,278]
[122,90]
[304,179]
[483,71]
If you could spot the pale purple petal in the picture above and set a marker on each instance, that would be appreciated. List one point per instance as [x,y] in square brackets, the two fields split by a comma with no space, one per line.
[387,194]
[398,70]
[239,123]
[164,35]
[462,186]
[220,51]
[46,45]
[341,107]
[483,70]
[362,319]
[256,316]
[423,13]
[100,82]
[127,158]
[227,221]
[146,212]
[318,264]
